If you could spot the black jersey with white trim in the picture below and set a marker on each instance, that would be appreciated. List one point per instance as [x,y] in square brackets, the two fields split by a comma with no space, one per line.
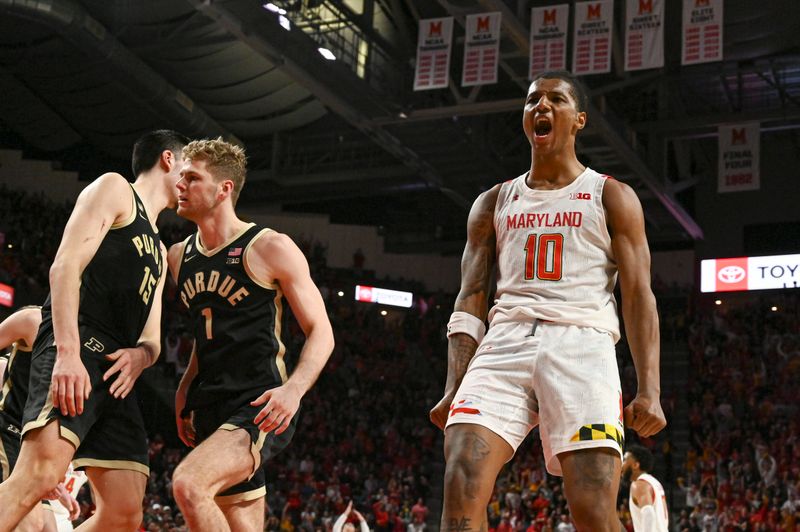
[119,284]
[236,322]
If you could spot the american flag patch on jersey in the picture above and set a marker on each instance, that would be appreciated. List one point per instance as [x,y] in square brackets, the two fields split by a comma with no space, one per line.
[234,252]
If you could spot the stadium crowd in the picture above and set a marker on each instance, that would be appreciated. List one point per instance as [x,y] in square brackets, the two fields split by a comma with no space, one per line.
[743,465]
[364,435]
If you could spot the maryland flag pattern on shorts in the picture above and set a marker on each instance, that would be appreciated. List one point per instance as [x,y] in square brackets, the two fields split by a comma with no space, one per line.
[599,431]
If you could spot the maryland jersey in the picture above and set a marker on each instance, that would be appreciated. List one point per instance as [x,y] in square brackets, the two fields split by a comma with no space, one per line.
[15,384]
[236,321]
[659,504]
[119,283]
[554,256]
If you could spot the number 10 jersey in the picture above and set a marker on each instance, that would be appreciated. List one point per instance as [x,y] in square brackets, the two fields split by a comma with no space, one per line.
[554,255]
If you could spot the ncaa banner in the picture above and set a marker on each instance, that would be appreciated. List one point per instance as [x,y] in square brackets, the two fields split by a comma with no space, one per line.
[481,49]
[434,45]
[739,148]
[644,34]
[702,31]
[750,273]
[591,48]
[548,39]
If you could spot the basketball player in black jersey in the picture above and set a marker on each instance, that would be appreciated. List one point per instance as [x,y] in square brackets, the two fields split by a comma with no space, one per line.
[17,332]
[100,328]
[238,398]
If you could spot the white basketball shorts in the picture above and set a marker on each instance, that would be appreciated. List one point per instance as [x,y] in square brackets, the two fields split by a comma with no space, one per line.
[563,378]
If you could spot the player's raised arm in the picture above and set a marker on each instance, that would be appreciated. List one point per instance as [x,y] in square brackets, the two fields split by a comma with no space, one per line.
[275,256]
[629,242]
[466,327]
[108,200]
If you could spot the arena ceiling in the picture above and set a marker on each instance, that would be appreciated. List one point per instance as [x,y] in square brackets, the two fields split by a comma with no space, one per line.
[81,79]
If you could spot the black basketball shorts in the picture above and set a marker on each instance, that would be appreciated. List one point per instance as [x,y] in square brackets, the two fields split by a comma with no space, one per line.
[110,432]
[10,442]
[227,416]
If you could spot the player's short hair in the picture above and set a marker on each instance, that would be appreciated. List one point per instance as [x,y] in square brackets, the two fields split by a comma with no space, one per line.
[642,455]
[148,148]
[578,91]
[224,160]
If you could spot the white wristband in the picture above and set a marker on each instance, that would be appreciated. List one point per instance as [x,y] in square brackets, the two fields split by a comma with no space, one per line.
[464,322]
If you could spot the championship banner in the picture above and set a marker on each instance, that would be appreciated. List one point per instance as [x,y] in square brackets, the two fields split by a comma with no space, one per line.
[481,49]
[548,39]
[591,49]
[434,45]
[739,148]
[702,31]
[644,34]
[750,273]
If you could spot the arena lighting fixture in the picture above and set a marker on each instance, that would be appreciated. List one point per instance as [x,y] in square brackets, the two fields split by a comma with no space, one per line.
[394,298]
[718,302]
[327,54]
[285,23]
[772,272]
[340,293]
[774,309]
[384,313]
[269,6]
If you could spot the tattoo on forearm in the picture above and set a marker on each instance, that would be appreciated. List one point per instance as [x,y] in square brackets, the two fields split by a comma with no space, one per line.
[462,348]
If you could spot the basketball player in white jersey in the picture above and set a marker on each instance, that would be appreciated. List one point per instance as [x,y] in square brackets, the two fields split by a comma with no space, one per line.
[558,236]
[66,508]
[647,501]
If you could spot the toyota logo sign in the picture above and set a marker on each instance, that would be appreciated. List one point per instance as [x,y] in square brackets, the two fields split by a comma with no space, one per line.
[731,274]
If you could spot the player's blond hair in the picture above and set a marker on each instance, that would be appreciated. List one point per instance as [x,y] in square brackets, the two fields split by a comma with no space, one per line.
[224,160]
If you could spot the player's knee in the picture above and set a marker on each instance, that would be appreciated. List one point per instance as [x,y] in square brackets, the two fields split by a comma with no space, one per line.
[185,488]
[587,514]
[124,515]
[460,470]
[33,522]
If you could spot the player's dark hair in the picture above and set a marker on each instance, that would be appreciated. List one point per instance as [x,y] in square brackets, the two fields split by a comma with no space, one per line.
[578,91]
[642,455]
[149,147]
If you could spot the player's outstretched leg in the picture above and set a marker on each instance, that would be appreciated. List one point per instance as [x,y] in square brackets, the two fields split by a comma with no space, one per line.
[118,495]
[223,460]
[43,458]
[591,483]
[474,456]
[245,516]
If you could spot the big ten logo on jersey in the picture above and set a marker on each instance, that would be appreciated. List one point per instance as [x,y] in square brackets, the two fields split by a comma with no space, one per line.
[145,245]
[580,195]
[226,288]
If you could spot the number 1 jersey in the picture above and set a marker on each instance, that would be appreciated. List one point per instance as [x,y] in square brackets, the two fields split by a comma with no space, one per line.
[236,322]
[554,255]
